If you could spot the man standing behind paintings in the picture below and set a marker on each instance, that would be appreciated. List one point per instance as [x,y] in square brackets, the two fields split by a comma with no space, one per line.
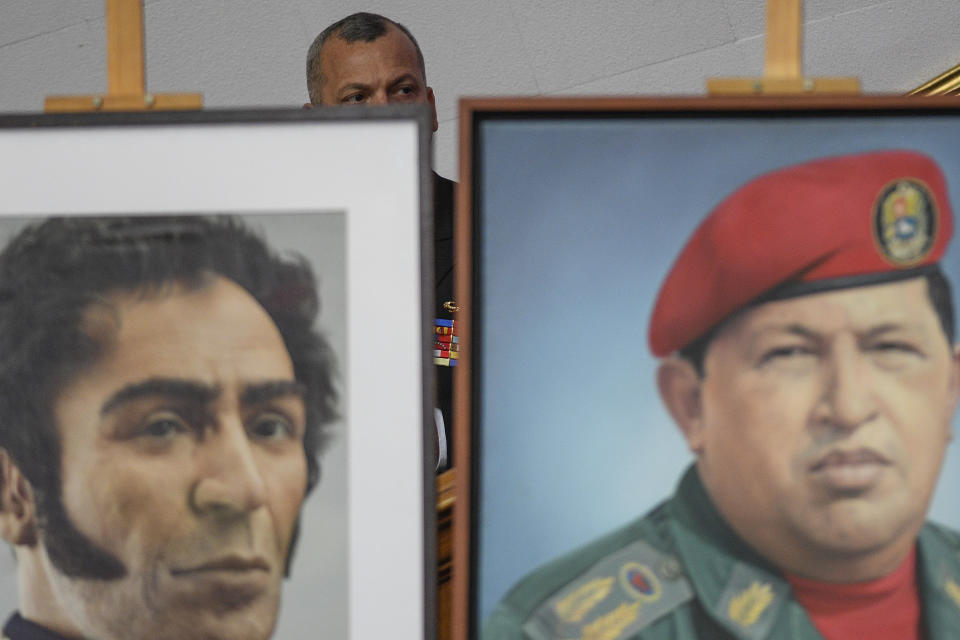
[807,337]
[163,394]
[368,59]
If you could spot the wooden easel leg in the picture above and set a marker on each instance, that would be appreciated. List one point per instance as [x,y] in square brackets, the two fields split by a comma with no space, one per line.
[784,35]
[783,65]
[125,74]
[126,84]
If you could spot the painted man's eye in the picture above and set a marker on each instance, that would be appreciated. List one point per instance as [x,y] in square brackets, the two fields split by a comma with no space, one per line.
[272,426]
[163,426]
[785,352]
[895,346]
[895,354]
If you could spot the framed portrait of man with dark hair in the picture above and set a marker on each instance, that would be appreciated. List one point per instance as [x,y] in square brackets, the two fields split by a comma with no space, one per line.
[190,314]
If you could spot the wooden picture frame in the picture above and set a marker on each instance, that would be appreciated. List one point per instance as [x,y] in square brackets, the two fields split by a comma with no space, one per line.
[570,212]
[346,189]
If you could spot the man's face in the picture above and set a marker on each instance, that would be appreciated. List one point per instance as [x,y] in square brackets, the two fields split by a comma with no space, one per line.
[825,419]
[384,71]
[182,457]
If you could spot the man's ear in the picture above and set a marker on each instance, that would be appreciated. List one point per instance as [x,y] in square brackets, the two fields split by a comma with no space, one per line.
[433,108]
[18,524]
[680,389]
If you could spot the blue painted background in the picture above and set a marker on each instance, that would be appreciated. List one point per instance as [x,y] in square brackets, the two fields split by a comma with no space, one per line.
[581,223]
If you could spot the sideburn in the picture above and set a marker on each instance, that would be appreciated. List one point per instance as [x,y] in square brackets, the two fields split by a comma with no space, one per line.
[70,550]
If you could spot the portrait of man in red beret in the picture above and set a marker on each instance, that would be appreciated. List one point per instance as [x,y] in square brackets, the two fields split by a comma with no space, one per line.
[807,354]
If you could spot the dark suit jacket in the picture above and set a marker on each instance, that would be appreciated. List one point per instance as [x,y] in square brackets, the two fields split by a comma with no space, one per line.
[443,278]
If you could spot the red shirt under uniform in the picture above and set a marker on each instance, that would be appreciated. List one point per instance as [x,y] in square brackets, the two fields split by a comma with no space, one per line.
[884,609]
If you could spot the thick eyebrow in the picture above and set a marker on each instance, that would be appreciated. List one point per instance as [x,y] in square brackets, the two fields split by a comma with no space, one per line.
[266,391]
[406,77]
[806,332]
[200,393]
[187,390]
[801,330]
[796,329]
[887,328]
[353,86]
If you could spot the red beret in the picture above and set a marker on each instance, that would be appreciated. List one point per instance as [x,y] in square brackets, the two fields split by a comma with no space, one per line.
[838,221]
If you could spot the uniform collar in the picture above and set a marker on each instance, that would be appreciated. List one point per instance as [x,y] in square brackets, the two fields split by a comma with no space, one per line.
[19,628]
[938,563]
[749,597]
[737,587]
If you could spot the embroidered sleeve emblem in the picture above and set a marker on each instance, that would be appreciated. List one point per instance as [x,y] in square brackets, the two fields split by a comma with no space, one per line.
[953,590]
[578,604]
[610,626]
[640,582]
[747,607]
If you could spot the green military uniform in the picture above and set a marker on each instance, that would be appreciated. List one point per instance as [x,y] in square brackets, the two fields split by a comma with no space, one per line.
[681,573]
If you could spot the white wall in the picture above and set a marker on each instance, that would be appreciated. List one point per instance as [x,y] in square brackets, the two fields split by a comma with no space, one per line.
[251,52]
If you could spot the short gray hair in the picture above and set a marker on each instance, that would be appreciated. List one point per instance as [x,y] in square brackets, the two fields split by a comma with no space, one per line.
[360,26]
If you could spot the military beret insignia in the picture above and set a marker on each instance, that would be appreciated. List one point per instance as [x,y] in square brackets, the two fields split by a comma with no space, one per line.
[905,222]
